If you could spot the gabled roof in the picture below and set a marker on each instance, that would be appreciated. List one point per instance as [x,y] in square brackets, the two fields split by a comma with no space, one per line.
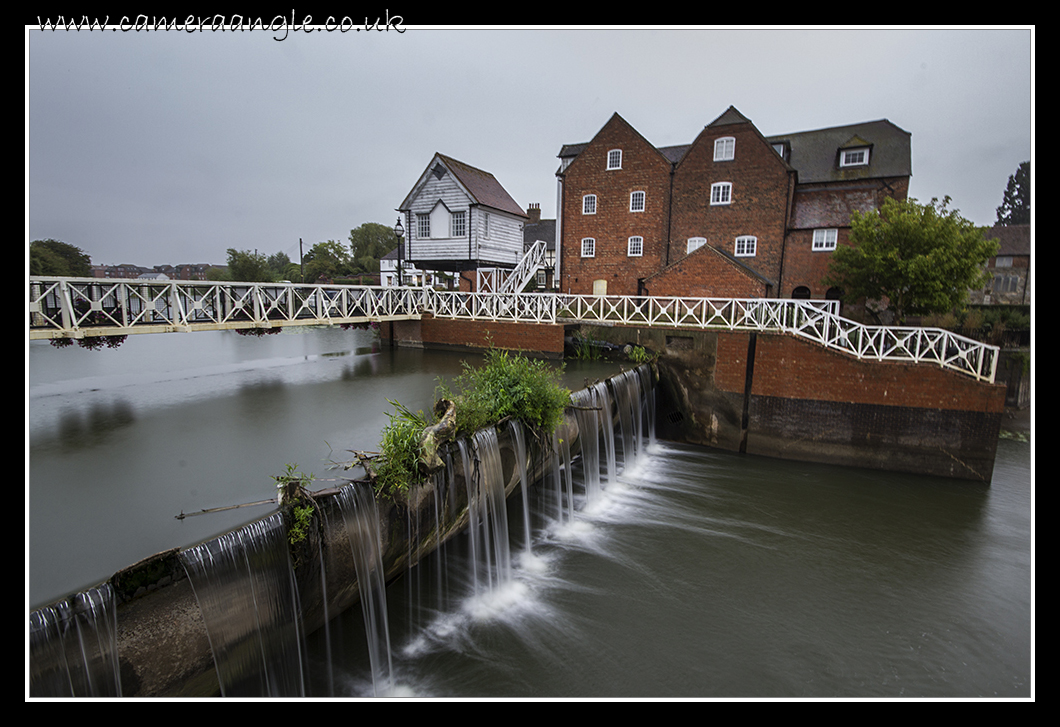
[569,152]
[1013,239]
[482,187]
[711,250]
[814,153]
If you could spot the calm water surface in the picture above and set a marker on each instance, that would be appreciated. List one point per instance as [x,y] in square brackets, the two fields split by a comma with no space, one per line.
[122,441]
[698,574]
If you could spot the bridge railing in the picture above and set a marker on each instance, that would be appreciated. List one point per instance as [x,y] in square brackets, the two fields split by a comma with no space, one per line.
[75,307]
[65,307]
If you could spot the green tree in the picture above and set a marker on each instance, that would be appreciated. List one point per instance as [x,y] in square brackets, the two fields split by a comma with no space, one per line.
[1015,206]
[245,266]
[368,243]
[54,257]
[327,261]
[278,263]
[920,258]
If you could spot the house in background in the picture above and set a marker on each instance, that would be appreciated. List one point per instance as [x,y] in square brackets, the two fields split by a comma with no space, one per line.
[733,214]
[537,229]
[411,275]
[1010,269]
[460,219]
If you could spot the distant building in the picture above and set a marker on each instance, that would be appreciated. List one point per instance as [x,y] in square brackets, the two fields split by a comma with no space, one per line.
[1010,269]
[411,275]
[545,230]
[196,271]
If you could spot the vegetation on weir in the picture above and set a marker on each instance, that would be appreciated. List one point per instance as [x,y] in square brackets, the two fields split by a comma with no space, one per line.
[297,503]
[506,386]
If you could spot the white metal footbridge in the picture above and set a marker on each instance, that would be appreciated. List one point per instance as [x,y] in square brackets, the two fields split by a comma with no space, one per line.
[86,307]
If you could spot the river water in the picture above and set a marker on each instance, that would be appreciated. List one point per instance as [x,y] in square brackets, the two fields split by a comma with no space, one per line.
[698,573]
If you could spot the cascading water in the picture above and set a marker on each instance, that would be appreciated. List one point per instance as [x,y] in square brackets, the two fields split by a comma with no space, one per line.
[360,513]
[248,597]
[627,389]
[519,443]
[73,649]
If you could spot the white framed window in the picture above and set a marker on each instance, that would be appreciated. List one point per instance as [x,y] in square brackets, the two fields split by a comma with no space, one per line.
[589,204]
[423,226]
[853,157]
[746,246]
[636,202]
[486,225]
[635,247]
[588,247]
[824,240]
[724,149]
[458,224]
[721,193]
[614,159]
[694,243]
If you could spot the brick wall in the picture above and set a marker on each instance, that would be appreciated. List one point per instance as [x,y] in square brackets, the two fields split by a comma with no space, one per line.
[707,274]
[789,367]
[461,335]
[760,199]
[643,169]
[809,403]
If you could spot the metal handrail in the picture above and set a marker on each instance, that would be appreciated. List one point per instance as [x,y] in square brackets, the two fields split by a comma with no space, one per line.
[78,307]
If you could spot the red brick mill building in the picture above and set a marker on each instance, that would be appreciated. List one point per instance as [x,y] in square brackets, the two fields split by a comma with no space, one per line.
[733,214]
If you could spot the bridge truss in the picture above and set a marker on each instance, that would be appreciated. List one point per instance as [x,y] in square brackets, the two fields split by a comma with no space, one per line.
[85,307]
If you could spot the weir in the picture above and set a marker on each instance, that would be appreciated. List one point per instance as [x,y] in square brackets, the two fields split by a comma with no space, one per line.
[256,598]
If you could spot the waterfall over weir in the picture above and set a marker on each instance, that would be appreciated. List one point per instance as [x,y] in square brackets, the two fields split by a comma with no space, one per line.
[254,601]
[72,647]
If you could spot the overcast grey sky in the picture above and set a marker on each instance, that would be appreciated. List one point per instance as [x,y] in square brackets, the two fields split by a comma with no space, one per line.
[168,147]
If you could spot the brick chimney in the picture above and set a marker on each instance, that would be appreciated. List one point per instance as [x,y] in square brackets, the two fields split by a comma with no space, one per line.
[534,213]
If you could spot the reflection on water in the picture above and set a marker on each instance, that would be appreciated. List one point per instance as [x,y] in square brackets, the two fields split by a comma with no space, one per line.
[121,441]
[697,573]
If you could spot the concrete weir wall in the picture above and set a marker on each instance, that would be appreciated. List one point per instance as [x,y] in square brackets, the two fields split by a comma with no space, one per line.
[162,646]
[780,396]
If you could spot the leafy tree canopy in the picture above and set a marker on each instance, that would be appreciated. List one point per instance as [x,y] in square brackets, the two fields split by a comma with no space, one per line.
[920,258]
[327,261]
[370,242]
[1015,206]
[245,266]
[54,257]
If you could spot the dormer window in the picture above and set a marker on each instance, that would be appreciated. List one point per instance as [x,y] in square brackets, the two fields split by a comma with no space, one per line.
[724,149]
[853,157]
[614,159]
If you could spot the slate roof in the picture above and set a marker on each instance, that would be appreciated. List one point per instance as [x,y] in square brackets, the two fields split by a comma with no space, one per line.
[815,153]
[482,186]
[1014,239]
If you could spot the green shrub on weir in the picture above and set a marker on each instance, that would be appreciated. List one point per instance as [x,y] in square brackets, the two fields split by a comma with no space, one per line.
[506,386]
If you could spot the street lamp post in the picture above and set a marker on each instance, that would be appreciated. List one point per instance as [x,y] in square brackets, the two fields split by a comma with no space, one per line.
[400,232]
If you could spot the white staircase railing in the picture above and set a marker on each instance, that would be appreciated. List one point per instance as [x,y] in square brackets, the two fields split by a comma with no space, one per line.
[80,307]
[506,282]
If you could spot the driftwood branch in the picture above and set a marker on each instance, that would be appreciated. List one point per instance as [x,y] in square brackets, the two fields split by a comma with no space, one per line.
[182,515]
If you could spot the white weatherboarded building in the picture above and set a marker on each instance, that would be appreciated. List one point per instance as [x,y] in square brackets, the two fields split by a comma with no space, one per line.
[459,218]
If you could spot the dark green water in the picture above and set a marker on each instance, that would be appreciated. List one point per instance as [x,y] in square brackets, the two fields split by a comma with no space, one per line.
[698,574]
